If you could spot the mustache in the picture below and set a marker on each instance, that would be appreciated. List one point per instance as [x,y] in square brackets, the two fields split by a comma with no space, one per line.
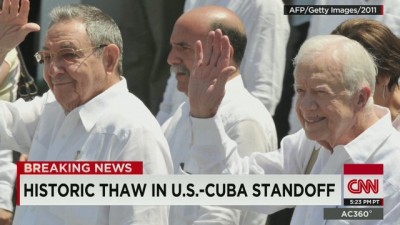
[180,69]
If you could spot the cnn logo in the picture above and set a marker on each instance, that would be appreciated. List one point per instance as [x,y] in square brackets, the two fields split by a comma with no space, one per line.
[357,186]
[361,181]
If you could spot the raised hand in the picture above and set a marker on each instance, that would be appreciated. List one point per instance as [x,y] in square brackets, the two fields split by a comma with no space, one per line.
[14,24]
[209,75]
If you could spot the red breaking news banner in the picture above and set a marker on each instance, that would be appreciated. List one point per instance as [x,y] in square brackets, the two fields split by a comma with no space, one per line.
[77,168]
[80,167]
[360,169]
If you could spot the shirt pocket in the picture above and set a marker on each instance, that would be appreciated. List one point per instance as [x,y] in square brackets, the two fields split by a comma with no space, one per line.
[92,148]
[100,146]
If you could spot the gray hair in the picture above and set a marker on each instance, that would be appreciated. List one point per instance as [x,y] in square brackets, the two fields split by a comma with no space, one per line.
[100,27]
[357,65]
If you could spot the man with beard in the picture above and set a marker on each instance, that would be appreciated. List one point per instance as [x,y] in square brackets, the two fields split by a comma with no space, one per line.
[245,118]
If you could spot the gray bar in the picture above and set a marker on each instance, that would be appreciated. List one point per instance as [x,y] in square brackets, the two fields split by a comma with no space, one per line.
[353,213]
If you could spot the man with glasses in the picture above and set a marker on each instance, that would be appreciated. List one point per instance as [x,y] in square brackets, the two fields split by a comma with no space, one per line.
[88,114]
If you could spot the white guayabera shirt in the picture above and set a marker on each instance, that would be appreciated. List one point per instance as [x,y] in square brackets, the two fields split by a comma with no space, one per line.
[380,143]
[114,125]
[248,123]
[8,170]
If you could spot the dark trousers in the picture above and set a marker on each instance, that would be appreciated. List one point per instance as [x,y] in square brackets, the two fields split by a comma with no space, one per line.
[146,31]
[281,217]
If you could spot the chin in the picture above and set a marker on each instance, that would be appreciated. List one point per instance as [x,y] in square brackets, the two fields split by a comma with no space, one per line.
[67,104]
[314,135]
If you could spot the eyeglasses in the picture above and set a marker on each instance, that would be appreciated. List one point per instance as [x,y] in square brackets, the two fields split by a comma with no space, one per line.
[68,55]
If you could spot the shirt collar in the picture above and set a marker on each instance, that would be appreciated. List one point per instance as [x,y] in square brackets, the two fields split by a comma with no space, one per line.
[234,83]
[91,111]
[363,146]
[396,123]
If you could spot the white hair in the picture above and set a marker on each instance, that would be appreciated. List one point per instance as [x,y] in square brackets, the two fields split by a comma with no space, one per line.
[357,65]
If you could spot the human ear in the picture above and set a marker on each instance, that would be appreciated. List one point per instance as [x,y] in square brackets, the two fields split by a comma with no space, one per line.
[111,58]
[362,96]
[383,79]
[231,55]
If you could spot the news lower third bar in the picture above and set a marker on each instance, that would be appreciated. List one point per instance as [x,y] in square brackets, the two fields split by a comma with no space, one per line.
[333,10]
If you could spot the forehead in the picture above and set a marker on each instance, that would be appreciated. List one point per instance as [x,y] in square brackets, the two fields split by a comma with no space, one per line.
[314,72]
[188,31]
[71,33]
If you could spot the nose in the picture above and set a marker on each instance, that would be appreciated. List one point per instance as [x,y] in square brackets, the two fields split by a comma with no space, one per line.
[54,68]
[307,102]
[174,57]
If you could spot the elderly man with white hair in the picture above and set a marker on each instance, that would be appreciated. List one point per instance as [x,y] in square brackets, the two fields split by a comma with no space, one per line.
[334,82]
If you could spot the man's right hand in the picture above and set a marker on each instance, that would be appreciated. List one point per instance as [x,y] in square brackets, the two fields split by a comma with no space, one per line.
[5,217]
[14,24]
[210,74]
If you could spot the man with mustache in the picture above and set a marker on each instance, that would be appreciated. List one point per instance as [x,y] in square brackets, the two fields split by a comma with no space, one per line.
[245,118]
[263,62]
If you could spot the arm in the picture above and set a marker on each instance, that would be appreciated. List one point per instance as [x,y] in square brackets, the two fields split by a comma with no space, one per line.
[9,75]
[4,71]
[212,151]
[251,137]
[18,122]
[206,91]
[8,173]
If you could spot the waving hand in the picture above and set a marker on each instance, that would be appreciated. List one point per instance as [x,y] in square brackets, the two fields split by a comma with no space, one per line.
[210,74]
[14,24]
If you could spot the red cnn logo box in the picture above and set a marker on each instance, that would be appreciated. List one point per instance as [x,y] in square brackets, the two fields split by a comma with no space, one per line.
[363,184]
